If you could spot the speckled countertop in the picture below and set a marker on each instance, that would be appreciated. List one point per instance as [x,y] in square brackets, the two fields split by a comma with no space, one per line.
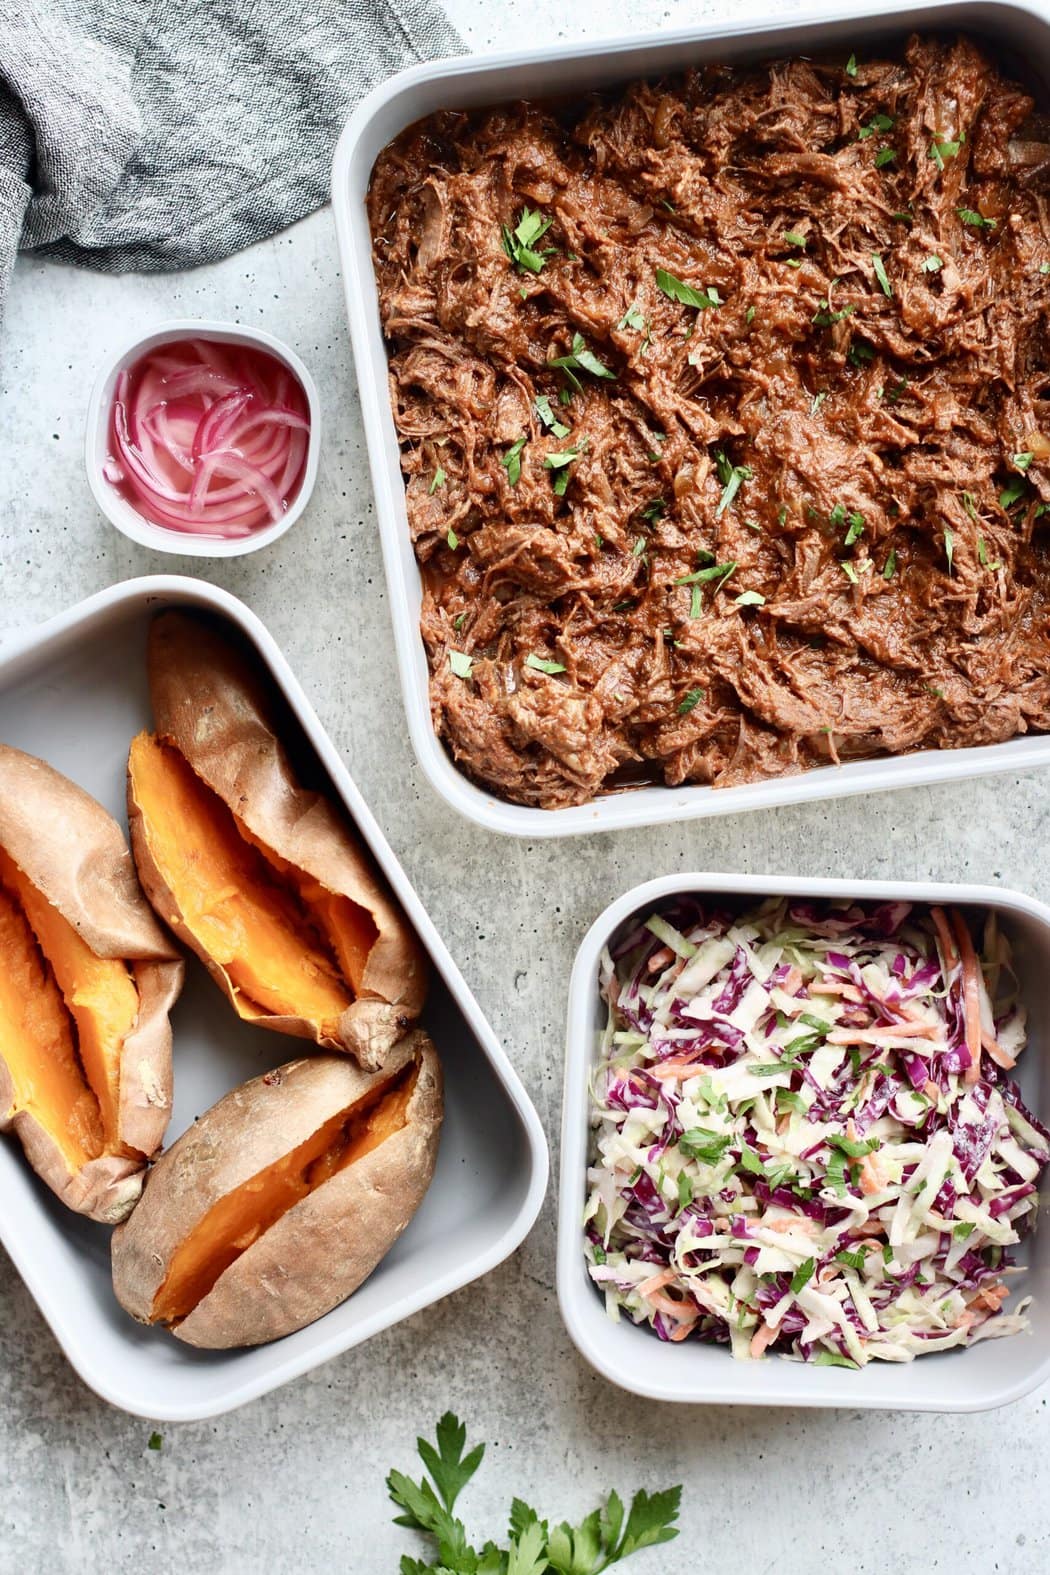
[294,1482]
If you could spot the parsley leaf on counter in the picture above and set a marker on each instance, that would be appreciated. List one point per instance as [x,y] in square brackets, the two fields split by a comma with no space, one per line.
[687,294]
[603,1538]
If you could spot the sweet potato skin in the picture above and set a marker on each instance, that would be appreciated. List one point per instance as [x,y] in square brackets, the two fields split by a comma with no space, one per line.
[328,1243]
[211,704]
[75,854]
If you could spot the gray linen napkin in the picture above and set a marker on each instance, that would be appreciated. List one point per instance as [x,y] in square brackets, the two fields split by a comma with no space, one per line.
[153,134]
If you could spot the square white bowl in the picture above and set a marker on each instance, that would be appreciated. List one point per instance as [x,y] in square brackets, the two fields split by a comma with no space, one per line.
[547,71]
[74,691]
[988,1374]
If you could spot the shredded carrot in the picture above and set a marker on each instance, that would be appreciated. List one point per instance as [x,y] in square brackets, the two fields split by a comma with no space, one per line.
[991,1296]
[764,1335]
[874,1036]
[871,1177]
[944,935]
[971,996]
[1000,1056]
[800,1222]
[931,1090]
[660,960]
[865,1229]
[848,992]
[793,980]
[684,1329]
[664,1069]
[656,1282]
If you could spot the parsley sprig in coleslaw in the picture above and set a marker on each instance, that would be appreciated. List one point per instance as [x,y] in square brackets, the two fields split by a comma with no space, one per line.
[806,1136]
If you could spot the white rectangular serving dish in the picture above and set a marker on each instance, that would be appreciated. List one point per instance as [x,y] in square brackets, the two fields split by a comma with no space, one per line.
[987,1375]
[1020,30]
[74,691]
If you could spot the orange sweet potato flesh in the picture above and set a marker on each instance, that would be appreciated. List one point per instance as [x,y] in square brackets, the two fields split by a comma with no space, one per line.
[36,1039]
[229,896]
[232,1225]
[98,991]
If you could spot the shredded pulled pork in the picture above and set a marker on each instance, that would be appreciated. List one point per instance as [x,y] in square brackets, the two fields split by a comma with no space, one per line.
[787,515]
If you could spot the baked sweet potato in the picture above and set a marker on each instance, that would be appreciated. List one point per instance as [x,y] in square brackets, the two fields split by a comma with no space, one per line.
[87,978]
[279,1201]
[263,879]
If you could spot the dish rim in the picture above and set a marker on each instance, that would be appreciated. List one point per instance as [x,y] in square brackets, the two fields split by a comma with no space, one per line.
[577,1300]
[168,590]
[657,804]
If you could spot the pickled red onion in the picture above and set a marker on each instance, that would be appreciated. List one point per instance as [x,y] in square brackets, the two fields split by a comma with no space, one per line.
[208,439]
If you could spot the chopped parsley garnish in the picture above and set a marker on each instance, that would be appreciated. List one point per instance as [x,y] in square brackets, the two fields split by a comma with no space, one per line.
[949,546]
[1044,267]
[826,1358]
[818,400]
[633,318]
[685,1190]
[654,510]
[884,156]
[859,353]
[751,1161]
[689,701]
[731,476]
[156,1440]
[511,460]
[438,481]
[788,1099]
[1012,493]
[749,599]
[548,418]
[969,505]
[977,220]
[856,529]
[542,666]
[942,148]
[880,273]
[932,264]
[795,238]
[835,1173]
[852,1260]
[701,1143]
[850,572]
[851,66]
[964,1229]
[580,359]
[520,243]
[458,621]
[452,539]
[891,565]
[560,464]
[880,122]
[802,1275]
[687,294]
[854,1148]
[749,315]
[824,317]
[460,663]
[1022,461]
[714,571]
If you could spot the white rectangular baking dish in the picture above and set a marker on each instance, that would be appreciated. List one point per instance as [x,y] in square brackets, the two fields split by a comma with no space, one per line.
[74,692]
[989,1374]
[1021,30]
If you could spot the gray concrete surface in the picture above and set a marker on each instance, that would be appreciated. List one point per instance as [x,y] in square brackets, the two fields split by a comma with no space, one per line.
[295,1482]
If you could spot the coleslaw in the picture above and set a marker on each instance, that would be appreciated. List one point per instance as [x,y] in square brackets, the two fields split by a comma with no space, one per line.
[805,1136]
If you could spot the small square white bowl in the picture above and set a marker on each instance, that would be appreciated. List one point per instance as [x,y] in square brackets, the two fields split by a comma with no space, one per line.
[123,514]
[987,1375]
[74,691]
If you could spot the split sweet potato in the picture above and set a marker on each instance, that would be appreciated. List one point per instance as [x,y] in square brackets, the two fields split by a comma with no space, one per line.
[281,1200]
[260,877]
[87,979]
